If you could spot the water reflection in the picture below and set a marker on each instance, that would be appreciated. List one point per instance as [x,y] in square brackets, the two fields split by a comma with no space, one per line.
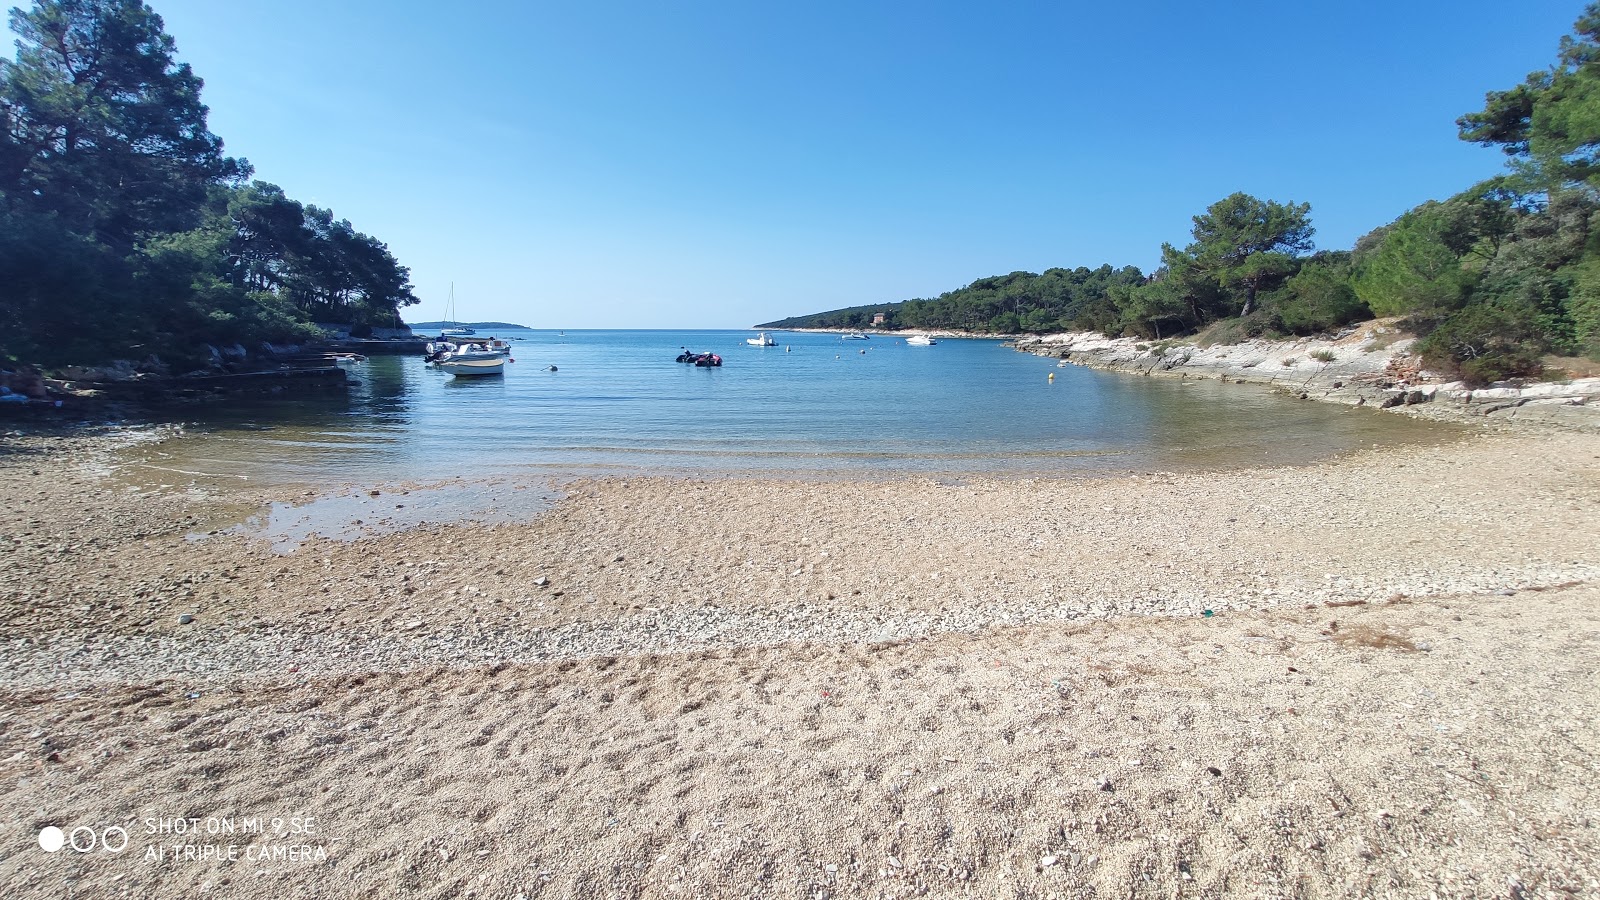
[619,402]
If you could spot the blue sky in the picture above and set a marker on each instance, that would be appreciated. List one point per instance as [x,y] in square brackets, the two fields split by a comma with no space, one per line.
[706,165]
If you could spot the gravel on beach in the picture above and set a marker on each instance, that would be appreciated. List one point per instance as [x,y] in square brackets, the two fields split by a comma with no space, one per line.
[1373,676]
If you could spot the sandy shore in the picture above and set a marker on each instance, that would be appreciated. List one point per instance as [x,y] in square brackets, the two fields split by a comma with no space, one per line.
[1377,676]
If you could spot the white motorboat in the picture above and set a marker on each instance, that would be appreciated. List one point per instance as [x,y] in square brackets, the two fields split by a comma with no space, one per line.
[473,362]
[855,336]
[921,340]
[435,350]
[761,340]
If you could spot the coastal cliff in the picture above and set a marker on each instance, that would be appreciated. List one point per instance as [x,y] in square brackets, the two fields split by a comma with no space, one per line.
[1364,365]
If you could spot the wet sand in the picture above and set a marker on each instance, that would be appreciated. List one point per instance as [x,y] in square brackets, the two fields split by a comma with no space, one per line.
[718,687]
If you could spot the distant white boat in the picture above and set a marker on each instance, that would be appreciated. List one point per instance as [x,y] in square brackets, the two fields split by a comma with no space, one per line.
[761,340]
[473,363]
[921,340]
[855,336]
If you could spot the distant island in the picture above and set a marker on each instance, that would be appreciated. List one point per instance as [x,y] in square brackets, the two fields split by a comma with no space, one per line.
[435,326]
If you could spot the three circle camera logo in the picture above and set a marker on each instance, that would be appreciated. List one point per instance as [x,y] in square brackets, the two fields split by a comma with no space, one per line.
[83,839]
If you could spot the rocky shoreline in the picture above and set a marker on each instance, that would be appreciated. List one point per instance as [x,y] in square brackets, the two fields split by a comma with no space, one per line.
[315,366]
[1364,365]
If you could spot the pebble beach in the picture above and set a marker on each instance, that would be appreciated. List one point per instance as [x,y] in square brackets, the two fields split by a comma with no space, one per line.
[1371,676]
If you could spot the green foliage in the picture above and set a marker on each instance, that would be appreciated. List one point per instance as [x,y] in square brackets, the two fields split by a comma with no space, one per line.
[1539,266]
[104,128]
[1550,124]
[187,264]
[1155,309]
[1318,297]
[125,232]
[54,283]
[1243,247]
[1416,268]
[1058,299]
[324,267]
[1584,304]
[1485,343]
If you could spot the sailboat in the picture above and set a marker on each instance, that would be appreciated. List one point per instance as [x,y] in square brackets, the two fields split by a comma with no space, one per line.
[456,329]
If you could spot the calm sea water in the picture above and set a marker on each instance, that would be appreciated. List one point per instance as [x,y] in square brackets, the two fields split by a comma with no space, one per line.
[814,404]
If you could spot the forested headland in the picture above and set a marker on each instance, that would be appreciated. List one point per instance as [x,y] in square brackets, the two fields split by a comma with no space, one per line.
[126,232]
[1493,279]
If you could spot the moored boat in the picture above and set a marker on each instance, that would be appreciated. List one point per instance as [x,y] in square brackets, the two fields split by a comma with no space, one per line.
[436,350]
[761,340]
[707,360]
[473,363]
[921,340]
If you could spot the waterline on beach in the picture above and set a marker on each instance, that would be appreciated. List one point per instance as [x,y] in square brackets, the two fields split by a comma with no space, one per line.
[619,405]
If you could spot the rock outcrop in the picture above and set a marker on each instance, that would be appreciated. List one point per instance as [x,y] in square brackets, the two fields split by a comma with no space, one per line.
[1366,364]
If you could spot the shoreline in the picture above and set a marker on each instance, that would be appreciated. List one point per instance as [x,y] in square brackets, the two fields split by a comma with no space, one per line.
[1367,364]
[997,685]
[903,333]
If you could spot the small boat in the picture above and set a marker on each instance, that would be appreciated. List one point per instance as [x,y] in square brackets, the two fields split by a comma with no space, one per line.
[855,336]
[921,340]
[436,350]
[761,340]
[473,363]
[707,360]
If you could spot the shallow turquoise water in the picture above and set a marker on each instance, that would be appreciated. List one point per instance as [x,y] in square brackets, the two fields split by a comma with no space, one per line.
[814,404]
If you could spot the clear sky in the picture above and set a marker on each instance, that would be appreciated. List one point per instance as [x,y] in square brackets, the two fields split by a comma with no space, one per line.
[703,165]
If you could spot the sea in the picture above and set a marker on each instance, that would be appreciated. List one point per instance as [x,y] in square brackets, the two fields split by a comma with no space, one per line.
[596,402]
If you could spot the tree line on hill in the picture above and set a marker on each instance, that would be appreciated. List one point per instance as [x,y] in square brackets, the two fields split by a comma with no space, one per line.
[126,232]
[1492,279]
